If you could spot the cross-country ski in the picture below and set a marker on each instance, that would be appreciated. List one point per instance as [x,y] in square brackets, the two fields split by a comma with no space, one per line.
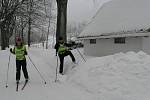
[17,86]
[25,83]
[23,87]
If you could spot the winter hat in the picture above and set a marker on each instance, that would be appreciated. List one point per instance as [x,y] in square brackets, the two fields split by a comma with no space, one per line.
[60,38]
[18,39]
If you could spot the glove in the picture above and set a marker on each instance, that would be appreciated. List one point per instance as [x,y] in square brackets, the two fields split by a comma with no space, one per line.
[69,48]
[11,50]
[25,53]
[56,54]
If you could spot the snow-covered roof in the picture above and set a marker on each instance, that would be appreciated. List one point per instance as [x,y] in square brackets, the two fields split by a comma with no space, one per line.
[117,16]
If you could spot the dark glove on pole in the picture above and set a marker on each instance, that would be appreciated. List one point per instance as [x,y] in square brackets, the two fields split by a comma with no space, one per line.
[11,50]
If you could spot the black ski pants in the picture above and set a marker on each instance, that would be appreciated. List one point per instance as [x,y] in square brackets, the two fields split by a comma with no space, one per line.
[21,64]
[61,58]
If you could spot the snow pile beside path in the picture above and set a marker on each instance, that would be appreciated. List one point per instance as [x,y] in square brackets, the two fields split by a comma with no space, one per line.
[122,76]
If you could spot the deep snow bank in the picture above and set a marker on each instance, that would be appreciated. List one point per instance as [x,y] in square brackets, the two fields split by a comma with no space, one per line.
[122,76]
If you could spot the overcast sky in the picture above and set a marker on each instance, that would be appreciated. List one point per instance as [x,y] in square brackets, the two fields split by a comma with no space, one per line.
[82,10]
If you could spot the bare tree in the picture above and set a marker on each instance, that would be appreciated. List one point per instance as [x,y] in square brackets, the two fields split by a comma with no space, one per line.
[41,18]
[25,18]
[8,10]
[49,16]
[32,20]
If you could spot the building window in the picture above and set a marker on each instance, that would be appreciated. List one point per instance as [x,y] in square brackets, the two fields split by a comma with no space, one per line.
[92,41]
[120,40]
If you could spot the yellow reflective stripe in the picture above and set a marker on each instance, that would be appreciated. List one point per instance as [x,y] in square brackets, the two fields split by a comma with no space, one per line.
[62,49]
[19,52]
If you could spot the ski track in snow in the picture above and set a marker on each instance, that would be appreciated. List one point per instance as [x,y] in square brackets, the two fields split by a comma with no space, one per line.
[45,61]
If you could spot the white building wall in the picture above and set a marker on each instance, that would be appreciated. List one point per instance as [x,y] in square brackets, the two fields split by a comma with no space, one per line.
[146,44]
[105,47]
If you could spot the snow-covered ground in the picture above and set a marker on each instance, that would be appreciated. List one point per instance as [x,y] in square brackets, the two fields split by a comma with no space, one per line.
[45,60]
[122,76]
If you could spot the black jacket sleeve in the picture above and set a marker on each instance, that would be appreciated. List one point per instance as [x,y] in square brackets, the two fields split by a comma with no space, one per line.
[25,52]
[68,45]
[12,50]
[71,46]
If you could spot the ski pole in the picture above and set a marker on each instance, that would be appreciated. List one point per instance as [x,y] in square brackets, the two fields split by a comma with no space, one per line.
[81,54]
[56,69]
[37,69]
[8,70]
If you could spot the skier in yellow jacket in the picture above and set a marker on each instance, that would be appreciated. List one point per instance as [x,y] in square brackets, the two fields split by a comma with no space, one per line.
[20,51]
[62,50]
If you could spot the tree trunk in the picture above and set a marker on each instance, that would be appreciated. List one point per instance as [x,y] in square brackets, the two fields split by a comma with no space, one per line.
[48,33]
[29,32]
[61,19]
[22,37]
[22,28]
[3,39]
[29,22]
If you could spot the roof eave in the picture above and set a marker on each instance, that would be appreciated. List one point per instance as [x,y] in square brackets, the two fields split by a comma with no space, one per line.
[114,36]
